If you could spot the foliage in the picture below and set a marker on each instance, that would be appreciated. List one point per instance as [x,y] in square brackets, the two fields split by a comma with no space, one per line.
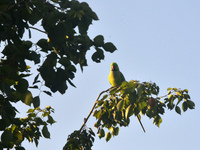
[80,140]
[65,22]
[116,107]
[132,98]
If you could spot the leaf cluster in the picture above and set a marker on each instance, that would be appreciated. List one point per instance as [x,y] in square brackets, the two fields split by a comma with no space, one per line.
[80,140]
[15,132]
[66,23]
[115,108]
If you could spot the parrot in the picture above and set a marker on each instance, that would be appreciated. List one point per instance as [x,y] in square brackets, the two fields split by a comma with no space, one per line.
[116,78]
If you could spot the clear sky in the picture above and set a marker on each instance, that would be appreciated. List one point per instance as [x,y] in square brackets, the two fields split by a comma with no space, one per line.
[158,41]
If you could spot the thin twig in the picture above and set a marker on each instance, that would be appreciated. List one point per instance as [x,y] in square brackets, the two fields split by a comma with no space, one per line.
[37,29]
[85,120]
[140,123]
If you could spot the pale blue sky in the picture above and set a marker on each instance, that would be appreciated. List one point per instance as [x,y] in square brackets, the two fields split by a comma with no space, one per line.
[157,41]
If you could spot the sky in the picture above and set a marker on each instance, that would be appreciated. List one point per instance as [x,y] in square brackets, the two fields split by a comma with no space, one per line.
[156,41]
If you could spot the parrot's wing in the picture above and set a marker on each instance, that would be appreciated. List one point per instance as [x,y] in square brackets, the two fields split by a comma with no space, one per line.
[122,77]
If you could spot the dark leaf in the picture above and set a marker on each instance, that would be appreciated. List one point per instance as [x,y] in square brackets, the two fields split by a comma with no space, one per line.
[109,47]
[50,120]
[22,85]
[190,104]
[178,110]
[99,40]
[108,136]
[35,57]
[70,82]
[36,101]
[19,148]
[27,98]
[45,132]
[36,79]
[184,106]
[48,93]
[6,137]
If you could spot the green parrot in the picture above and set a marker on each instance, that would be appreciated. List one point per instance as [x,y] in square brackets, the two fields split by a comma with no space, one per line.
[116,78]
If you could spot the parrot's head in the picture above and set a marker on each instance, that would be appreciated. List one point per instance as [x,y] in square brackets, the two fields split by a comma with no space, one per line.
[114,67]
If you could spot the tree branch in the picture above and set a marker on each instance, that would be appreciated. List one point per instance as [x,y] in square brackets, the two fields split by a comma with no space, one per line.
[85,120]
[37,29]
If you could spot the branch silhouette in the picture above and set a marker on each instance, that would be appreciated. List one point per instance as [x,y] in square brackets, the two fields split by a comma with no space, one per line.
[85,120]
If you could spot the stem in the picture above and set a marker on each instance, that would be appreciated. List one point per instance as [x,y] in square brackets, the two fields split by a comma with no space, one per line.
[140,123]
[85,120]
[38,29]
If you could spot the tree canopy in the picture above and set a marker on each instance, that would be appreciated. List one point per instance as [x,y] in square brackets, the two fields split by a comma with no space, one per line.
[57,58]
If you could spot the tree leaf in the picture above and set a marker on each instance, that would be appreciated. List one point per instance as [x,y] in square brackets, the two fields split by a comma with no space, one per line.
[97,113]
[184,106]
[22,85]
[108,136]
[36,101]
[120,105]
[19,148]
[178,110]
[99,40]
[101,133]
[129,111]
[48,93]
[157,120]
[45,132]
[35,57]
[190,104]
[50,119]
[27,98]
[110,47]
[7,138]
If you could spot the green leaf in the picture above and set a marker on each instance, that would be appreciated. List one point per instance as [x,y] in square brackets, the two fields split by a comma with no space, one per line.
[184,106]
[168,89]
[30,110]
[22,85]
[97,113]
[27,98]
[70,82]
[48,93]
[170,96]
[45,132]
[185,90]
[129,111]
[43,44]
[7,138]
[101,133]
[120,105]
[178,110]
[35,57]
[108,136]
[109,47]
[36,101]
[157,120]
[114,131]
[99,40]
[98,55]
[50,119]
[6,89]
[140,89]
[19,148]
[190,104]
[36,79]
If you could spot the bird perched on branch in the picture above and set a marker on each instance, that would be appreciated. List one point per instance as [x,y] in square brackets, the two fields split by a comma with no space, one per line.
[116,78]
